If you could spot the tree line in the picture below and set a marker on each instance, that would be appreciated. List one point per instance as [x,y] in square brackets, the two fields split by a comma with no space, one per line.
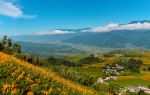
[13,48]
[8,47]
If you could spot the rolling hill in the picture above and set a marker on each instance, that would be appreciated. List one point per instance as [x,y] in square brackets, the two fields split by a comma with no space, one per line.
[19,77]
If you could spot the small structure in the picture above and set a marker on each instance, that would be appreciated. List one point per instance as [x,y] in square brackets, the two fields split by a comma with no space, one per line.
[99,80]
[110,78]
[135,89]
[118,55]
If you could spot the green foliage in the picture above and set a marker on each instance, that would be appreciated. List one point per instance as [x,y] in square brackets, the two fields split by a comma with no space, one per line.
[134,65]
[4,42]
[90,59]
[16,48]
[9,42]
[1,46]
[149,68]
[73,75]
[20,80]
[131,64]
[131,82]
[62,61]
[9,48]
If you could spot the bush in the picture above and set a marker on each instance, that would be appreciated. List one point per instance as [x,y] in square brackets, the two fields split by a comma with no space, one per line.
[149,68]
[8,50]
[90,59]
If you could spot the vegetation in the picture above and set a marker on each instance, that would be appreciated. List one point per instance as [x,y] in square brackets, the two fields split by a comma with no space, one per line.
[19,77]
[90,59]
[9,48]
[132,64]
[73,75]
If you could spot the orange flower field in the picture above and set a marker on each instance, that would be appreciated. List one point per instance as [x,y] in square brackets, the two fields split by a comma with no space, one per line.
[25,78]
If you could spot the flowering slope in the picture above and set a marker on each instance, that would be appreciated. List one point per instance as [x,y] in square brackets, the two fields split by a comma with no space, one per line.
[20,77]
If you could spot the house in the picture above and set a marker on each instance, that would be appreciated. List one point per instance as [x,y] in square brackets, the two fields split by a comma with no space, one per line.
[135,89]
[118,55]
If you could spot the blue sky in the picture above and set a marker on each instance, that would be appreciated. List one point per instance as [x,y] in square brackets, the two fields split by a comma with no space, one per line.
[33,16]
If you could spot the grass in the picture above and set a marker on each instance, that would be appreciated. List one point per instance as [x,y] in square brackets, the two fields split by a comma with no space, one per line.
[146,61]
[95,72]
[130,81]
[76,58]
[21,77]
[129,73]
[93,69]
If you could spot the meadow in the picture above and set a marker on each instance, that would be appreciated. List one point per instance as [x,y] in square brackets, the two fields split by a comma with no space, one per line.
[19,77]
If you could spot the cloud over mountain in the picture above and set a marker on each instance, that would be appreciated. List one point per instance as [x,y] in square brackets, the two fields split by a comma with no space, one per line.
[54,32]
[113,26]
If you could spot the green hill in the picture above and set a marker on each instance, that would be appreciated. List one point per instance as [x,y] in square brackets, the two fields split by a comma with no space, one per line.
[19,77]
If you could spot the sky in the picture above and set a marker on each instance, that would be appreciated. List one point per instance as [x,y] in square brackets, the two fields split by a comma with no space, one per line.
[18,17]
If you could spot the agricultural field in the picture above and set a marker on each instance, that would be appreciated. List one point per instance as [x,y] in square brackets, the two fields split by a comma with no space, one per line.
[126,78]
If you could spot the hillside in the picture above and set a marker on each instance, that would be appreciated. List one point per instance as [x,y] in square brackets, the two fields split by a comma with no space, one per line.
[20,77]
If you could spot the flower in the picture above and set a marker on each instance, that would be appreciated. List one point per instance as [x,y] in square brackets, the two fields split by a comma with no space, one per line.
[30,93]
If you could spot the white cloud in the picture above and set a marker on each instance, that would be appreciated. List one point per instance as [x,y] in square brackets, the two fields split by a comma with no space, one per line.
[12,10]
[113,26]
[54,32]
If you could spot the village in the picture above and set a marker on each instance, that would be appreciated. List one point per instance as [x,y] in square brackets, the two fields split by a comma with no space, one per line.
[112,73]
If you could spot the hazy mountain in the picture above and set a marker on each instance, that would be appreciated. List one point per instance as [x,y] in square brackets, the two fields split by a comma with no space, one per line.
[144,21]
[85,36]
[114,39]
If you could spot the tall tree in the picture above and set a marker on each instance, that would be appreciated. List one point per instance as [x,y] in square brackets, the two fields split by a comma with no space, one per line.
[4,42]
[1,46]
[9,43]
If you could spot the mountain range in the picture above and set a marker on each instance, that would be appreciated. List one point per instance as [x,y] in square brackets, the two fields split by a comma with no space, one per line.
[123,38]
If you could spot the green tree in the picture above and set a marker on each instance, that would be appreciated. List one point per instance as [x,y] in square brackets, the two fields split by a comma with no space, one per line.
[4,42]
[149,68]
[9,43]
[1,46]
[113,89]
[16,48]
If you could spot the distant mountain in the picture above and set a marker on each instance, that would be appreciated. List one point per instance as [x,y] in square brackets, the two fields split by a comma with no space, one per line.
[42,38]
[50,38]
[114,39]
[138,38]
[75,30]
[144,21]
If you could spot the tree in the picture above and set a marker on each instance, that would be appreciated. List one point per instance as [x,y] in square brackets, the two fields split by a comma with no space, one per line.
[113,88]
[16,48]
[4,42]
[149,68]
[52,60]
[134,65]
[37,60]
[1,46]
[29,58]
[90,59]
[9,43]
